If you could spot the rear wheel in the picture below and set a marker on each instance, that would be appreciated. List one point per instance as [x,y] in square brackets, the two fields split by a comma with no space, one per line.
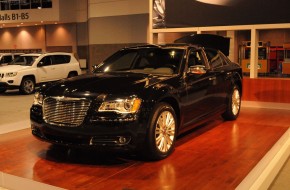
[72,74]
[161,135]
[234,105]
[27,85]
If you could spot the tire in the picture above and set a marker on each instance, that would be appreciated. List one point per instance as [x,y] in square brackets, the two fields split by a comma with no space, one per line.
[2,90]
[27,85]
[234,105]
[72,74]
[161,135]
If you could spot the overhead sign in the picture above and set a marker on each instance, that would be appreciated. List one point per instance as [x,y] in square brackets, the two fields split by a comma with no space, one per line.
[21,16]
[198,13]
[31,15]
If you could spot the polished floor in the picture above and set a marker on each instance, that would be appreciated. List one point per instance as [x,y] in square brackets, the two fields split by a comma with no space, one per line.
[217,155]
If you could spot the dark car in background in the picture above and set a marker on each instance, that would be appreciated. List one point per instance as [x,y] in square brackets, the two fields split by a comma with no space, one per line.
[141,98]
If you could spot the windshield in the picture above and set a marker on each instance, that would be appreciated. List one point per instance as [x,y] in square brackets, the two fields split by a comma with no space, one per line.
[24,60]
[144,60]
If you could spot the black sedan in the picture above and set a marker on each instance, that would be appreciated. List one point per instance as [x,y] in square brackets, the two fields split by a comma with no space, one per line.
[140,99]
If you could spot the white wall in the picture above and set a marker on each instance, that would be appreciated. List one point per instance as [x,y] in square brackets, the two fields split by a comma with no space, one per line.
[61,35]
[104,8]
[82,34]
[22,38]
[118,29]
[31,15]
[73,10]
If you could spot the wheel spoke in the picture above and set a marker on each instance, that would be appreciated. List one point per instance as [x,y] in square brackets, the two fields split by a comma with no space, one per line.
[165,131]
[236,102]
[29,86]
[161,144]
[168,140]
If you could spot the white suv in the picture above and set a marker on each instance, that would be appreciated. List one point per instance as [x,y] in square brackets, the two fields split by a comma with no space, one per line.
[6,58]
[28,70]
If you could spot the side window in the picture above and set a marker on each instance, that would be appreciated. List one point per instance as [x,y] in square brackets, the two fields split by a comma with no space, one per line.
[214,58]
[226,59]
[7,59]
[195,58]
[21,61]
[60,59]
[122,63]
[46,61]
[15,56]
[142,63]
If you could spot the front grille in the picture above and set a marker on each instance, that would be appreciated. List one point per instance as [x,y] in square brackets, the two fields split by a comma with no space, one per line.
[65,111]
[1,75]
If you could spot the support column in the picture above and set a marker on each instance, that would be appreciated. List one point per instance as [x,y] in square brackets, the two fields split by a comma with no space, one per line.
[232,35]
[254,53]
[150,35]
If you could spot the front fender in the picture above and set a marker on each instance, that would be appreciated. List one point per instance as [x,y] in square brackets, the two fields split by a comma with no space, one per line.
[162,93]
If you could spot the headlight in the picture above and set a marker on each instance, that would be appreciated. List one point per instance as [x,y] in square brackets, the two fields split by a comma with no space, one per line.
[11,74]
[38,99]
[121,106]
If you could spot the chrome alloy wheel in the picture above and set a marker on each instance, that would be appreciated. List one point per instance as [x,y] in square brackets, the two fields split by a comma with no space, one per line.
[28,86]
[165,131]
[236,101]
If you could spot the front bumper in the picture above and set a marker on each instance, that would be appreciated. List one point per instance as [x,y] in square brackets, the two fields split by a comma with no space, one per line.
[121,136]
[9,82]
[6,86]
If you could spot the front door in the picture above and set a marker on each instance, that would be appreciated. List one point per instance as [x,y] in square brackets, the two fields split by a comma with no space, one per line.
[45,70]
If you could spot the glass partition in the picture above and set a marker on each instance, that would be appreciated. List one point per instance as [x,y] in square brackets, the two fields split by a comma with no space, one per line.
[24,4]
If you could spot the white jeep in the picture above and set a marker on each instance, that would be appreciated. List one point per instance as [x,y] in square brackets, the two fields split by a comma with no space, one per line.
[6,58]
[28,70]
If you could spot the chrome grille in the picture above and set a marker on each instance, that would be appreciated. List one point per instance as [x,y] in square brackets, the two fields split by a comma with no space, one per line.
[65,111]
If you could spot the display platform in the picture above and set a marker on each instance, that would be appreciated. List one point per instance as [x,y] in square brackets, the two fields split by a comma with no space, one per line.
[217,155]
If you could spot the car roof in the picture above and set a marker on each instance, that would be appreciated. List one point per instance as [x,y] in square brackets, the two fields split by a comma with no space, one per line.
[196,40]
[11,53]
[31,54]
[163,46]
[46,53]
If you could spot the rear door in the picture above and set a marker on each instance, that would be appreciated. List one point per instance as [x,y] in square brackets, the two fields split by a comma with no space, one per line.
[61,67]
[220,78]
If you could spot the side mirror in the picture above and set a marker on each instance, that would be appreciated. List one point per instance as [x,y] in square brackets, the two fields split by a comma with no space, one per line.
[197,69]
[94,67]
[40,64]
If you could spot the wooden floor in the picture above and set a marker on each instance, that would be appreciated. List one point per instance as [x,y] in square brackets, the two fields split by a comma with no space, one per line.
[218,155]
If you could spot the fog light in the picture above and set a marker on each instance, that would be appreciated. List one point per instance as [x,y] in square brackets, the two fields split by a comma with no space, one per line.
[122,140]
[10,81]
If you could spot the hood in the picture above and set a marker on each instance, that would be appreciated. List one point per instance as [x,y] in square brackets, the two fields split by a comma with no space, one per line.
[104,83]
[12,68]
[207,40]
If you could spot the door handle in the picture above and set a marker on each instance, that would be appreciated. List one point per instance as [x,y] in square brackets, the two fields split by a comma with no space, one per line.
[212,78]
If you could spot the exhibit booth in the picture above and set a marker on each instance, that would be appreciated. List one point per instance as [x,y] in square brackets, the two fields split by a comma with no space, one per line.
[243,154]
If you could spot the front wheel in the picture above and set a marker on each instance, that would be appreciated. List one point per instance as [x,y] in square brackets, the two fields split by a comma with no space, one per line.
[234,105]
[2,90]
[27,85]
[161,133]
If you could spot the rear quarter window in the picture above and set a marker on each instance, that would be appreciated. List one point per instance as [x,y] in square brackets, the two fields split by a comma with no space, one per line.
[61,59]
